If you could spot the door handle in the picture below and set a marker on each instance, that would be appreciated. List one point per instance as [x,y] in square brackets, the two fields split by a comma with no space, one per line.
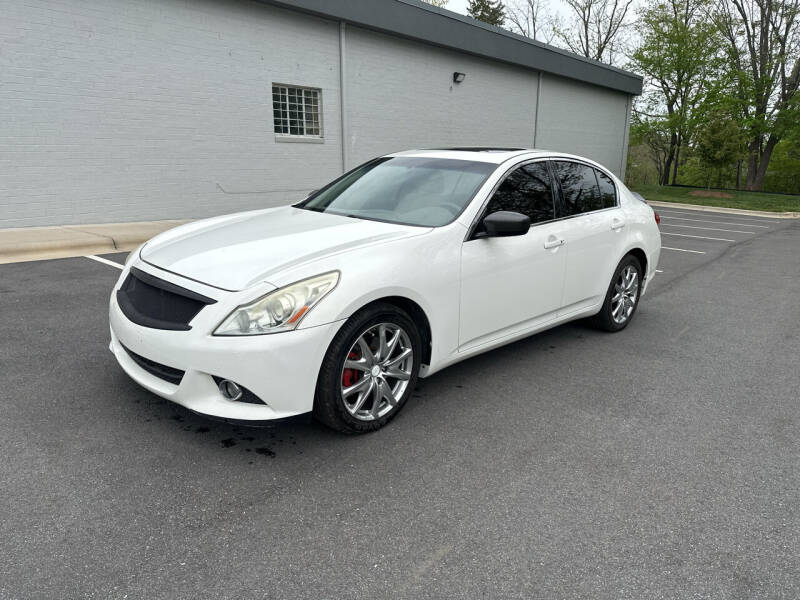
[553,243]
[617,223]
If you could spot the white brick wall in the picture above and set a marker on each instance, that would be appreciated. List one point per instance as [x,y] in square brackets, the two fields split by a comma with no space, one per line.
[122,110]
[115,110]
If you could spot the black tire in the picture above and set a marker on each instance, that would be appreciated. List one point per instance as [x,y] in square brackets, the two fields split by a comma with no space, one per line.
[329,403]
[605,319]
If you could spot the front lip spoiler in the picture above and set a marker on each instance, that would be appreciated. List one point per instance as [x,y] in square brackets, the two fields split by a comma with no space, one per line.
[299,419]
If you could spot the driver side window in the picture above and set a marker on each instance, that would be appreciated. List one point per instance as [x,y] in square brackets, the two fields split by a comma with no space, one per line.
[527,190]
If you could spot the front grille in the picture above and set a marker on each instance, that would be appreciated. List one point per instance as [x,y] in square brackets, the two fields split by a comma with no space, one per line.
[164,372]
[158,304]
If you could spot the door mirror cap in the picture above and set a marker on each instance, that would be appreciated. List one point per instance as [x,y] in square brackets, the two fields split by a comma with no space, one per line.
[504,223]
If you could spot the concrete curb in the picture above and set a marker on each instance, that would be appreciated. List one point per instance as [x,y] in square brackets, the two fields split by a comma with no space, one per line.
[728,211]
[41,243]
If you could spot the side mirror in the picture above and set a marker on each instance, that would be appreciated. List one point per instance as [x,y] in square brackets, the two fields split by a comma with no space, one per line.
[311,193]
[505,223]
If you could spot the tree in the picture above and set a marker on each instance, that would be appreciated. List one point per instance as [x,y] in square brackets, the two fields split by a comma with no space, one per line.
[439,3]
[678,54]
[763,47]
[492,12]
[653,135]
[594,27]
[532,19]
[719,142]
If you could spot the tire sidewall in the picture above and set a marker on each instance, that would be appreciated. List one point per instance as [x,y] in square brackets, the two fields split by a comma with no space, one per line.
[328,402]
[606,319]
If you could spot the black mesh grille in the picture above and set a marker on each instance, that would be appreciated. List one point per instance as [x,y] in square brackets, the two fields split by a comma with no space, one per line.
[152,302]
[161,371]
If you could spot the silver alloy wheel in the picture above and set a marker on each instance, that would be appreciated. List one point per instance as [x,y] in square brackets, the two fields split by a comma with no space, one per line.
[376,371]
[626,293]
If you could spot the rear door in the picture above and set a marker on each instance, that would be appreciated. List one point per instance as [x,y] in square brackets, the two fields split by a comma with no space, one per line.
[510,284]
[589,205]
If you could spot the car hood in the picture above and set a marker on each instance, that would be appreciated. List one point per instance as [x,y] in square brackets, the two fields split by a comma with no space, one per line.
[237,251]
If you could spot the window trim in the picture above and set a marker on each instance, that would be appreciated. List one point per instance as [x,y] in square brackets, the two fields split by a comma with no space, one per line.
[561,202]
[479,216]
[293,138]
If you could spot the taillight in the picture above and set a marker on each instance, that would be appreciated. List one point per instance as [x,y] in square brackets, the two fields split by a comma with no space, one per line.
[658,218]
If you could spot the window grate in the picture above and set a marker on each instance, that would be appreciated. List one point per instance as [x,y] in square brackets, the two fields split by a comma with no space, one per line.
[296,111]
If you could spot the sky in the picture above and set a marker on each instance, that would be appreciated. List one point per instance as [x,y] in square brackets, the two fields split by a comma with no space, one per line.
[459,6]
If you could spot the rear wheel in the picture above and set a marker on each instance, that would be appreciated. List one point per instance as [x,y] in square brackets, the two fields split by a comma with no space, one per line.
[369,371]
[622,297]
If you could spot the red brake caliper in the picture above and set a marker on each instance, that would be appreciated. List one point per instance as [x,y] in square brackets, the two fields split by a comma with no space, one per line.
[350,376]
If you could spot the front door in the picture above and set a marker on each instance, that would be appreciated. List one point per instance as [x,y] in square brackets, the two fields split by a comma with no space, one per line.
[509,284]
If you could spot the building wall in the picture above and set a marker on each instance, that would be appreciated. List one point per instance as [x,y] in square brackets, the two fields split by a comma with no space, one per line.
[119,110]
[124,110]
[400,95]
[583,119]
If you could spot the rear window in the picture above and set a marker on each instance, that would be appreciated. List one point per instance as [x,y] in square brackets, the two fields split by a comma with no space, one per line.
[608,193]
[578,186]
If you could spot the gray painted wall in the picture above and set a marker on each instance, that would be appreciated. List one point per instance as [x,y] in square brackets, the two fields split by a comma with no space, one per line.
[583,119]
[401,95]
[122,110]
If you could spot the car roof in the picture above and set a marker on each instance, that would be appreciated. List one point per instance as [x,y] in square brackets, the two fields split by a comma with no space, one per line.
[494,155]
[489,154]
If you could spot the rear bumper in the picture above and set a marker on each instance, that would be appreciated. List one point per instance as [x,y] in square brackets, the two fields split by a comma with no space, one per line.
[281,369]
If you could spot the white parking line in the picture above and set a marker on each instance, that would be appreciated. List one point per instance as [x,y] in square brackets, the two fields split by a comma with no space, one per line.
[698,213]
[698,237]
[682,250]
[707,228]
[105,261]
[715,222]
[658,271]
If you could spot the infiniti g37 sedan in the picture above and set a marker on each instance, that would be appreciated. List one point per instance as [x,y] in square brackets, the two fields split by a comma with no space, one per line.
[399,268]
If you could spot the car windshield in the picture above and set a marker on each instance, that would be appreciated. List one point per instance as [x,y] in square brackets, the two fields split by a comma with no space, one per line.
[428,192]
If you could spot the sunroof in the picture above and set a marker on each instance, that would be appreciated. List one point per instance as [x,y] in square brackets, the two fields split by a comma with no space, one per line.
[480,149]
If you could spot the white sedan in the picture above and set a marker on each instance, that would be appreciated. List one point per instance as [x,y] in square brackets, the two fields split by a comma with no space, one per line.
[396,270]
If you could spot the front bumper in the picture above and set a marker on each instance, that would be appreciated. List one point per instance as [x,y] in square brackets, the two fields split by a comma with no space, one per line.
[281,369]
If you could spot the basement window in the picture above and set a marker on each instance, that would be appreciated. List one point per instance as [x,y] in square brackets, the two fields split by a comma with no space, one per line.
[297,113]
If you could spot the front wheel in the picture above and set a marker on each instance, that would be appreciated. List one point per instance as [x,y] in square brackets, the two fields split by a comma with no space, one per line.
[622,297]
[369,371]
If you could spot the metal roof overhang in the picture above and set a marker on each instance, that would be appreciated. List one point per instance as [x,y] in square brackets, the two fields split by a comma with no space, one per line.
[423,22]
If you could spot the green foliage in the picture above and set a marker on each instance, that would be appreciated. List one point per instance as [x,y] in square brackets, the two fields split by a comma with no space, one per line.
[761,44]
[492,12]
[720,141]
[679,54]
[784,168]
[439,3]
[721,105]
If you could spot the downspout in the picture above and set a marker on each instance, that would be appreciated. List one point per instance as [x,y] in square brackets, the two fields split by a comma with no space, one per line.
[536,111]
[625,138]
[343,96]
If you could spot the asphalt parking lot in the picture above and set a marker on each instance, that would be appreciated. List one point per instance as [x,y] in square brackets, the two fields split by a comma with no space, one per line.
[660,462]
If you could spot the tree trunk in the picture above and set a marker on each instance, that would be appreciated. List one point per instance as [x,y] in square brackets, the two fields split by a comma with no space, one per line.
[670,157]
[763,163]
[758,162]
[739,174]
[752,163]
[675,163]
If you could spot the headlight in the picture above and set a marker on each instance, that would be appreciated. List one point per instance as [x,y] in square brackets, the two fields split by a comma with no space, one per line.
[280,310]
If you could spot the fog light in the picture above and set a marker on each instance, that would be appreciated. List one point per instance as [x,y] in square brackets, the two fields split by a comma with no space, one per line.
[230,390]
